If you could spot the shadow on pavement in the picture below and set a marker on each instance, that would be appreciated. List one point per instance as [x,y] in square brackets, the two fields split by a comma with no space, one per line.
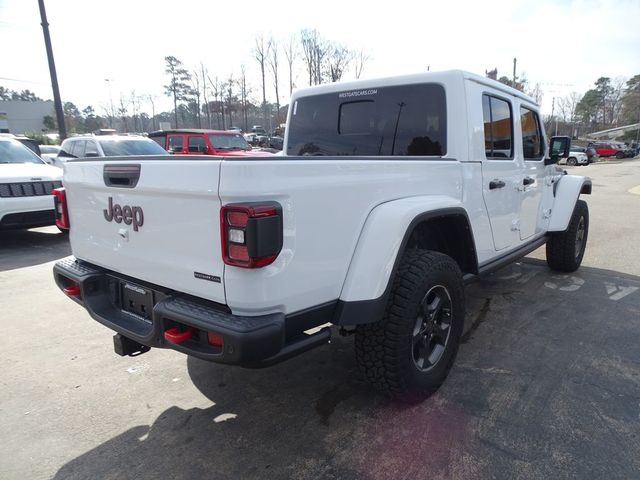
[546,385]
[24,248]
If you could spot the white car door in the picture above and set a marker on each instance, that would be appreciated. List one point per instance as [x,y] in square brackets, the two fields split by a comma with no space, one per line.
[501,170]
[533,180]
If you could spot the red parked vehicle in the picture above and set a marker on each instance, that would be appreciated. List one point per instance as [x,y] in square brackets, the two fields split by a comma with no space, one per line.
[198,141]
[608,150]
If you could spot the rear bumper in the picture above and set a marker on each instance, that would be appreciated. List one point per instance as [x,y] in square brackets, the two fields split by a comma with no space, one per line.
[249,341]
[39,218]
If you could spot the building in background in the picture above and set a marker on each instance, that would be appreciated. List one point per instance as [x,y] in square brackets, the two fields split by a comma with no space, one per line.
[19,117]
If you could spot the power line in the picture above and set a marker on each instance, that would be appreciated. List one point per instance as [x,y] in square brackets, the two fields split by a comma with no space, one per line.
[21,80]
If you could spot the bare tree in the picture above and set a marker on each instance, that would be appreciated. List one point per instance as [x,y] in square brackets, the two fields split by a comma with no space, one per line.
[123,110]
[615,100]
[359,61]
[260,54]
[272,60]
[195,92]
[338,59]
[217,94]
[291,52]
[567,106]
[228,90]
[536,93]
[314,50]
[205,98]
[135,108]
[243,96]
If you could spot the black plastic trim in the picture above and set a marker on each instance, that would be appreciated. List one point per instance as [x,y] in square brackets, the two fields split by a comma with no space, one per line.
[121,175]
[510,257]
[249,341]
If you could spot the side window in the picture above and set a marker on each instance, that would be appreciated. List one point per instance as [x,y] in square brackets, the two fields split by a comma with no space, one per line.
[531,135]
[498,128]
[175,143]
[197,144]
[77,148]
[91,149]
[65,149]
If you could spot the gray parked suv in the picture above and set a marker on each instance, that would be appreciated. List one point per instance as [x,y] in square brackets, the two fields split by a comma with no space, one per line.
[107,146]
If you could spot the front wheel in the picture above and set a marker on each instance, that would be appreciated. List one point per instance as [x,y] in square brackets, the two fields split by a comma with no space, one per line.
[565,250]
[411,350]
[572,161]
[619,155]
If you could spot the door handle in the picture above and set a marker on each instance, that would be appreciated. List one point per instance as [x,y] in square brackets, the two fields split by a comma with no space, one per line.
[495,183]
[528,181]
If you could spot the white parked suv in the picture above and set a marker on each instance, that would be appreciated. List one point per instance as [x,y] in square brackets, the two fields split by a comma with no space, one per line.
[577,156]
[393,193]
[26,183]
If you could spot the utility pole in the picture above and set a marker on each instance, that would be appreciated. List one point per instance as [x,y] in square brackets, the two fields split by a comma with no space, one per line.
[62,129]
[514,71]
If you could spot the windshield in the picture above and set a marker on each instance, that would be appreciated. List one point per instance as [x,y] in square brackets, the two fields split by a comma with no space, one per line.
[12,151]
[228,142]
[116,148]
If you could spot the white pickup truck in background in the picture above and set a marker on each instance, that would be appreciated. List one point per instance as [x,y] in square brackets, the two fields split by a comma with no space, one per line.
[392,194]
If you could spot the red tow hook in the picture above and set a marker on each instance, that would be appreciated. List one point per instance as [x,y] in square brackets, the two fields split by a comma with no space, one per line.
[174,335]
[72,290]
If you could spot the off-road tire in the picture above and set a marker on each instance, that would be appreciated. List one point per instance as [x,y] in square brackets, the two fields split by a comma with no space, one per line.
[385,349]
[563,254]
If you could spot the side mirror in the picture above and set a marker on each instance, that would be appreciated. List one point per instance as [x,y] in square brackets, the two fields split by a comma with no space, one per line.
[559,147]
[91,154]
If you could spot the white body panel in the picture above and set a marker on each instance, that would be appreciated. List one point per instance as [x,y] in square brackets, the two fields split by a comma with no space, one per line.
[325,205]
[27,172]
[567,193]
[344,218]
[181,230]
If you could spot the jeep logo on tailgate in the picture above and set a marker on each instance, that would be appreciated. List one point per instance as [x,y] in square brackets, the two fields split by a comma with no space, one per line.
[128,215]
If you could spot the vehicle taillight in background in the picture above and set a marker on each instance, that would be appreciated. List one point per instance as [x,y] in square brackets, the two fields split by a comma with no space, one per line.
[60,203]
[251,233]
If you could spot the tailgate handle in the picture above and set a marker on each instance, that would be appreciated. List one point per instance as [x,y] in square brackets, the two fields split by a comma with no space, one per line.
[122,176]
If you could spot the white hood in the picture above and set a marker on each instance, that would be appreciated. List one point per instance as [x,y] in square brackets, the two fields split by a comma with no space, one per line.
[28,172]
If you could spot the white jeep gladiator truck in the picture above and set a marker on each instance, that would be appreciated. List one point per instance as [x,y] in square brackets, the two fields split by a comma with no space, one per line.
[392,194]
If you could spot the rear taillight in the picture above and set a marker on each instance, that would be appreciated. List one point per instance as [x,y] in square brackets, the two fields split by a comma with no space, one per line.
[60,204]
[251,233]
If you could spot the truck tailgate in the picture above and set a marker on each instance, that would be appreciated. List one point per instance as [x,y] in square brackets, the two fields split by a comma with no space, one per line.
[165,229]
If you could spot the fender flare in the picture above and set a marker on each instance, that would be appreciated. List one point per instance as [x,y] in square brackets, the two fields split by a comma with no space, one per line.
[378,252]
[566,192]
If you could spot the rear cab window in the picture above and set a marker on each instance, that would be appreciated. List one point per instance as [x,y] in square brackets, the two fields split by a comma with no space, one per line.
[403,120]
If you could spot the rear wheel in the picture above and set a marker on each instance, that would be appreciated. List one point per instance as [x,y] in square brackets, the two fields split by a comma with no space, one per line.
[565,250]
[411,350]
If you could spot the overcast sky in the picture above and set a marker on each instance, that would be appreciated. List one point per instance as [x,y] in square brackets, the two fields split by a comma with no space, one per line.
[564,45]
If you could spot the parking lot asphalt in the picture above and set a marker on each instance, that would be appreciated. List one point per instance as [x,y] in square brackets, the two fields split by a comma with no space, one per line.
[546,383]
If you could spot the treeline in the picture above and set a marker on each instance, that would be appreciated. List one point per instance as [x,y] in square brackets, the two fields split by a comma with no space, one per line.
[204,99]
[611,103]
